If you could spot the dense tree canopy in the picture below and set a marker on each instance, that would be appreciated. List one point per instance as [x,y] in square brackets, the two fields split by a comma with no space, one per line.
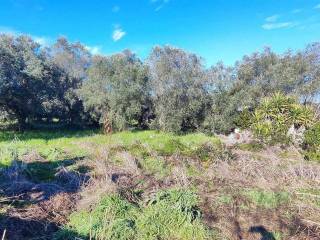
[171,90]
[117,89]
[21,77]
[177,88]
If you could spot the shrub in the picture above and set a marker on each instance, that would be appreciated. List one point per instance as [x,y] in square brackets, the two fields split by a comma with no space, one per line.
[244,119]
[274,116]
[312,142]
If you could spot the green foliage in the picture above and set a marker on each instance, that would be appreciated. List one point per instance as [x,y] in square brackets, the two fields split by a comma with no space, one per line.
[162,143]
[38,84]
[176,79]
[117,88]
[225,199]
[61,145]
[63,85]
[310,196]
[244,119]
[222,106]
[312,142]
[275,115]
[171,214]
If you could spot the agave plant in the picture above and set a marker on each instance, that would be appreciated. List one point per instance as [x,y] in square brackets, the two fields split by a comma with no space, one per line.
[275,115]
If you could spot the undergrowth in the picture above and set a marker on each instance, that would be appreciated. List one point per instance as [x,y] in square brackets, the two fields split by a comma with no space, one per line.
[171,214]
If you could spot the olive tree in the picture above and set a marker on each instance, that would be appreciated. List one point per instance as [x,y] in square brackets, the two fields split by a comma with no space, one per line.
[177,89]
[21,77]
[117,89]
[73,61]
[223,107]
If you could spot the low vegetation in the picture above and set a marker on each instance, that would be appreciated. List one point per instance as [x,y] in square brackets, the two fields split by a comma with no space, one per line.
[170,214]
[273,118]
[154,185]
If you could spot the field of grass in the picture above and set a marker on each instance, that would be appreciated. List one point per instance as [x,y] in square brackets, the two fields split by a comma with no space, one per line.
[153,185]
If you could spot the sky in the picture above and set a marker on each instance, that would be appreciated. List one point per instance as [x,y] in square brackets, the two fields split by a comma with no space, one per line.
[217,30]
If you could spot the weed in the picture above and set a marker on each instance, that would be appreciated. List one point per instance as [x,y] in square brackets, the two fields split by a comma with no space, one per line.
[171,214]
[156,166]
[252,147]
[267,199]
[225,199]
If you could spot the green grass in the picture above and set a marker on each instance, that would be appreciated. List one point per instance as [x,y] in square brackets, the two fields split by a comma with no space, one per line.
[162,143]
[309,196]
[225,199]
[252,147]
[156,166]
[51,145]
[58,145]
[171,214]
[267,199]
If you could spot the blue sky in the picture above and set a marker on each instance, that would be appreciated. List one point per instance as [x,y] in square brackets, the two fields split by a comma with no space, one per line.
[214,29]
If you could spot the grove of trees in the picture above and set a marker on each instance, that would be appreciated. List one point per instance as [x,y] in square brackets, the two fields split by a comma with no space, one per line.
[171,90]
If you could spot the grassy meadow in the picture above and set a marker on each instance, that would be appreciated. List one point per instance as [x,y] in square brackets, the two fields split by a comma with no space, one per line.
[153,185]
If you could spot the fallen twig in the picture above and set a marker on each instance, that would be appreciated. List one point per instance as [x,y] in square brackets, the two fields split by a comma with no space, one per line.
[4,234]
[310,222]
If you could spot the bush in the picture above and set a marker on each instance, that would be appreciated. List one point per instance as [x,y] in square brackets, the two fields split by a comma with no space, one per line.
[312,142]
[244,119]
[272,119]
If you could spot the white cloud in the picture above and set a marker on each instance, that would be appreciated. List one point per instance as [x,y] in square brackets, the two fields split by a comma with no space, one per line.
[271,26]
[43,41]
[115,9]
[118,33]
[317,6]
[273,18]
[93,49]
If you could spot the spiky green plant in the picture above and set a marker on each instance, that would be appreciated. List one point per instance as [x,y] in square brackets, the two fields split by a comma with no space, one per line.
[275,115]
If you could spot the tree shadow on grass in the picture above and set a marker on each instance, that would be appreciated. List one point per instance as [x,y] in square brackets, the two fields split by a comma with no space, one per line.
[34,192]
[18,228]
[265,235]
[43,179]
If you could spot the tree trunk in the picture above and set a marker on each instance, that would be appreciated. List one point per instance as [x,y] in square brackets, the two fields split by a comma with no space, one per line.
[22,123]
